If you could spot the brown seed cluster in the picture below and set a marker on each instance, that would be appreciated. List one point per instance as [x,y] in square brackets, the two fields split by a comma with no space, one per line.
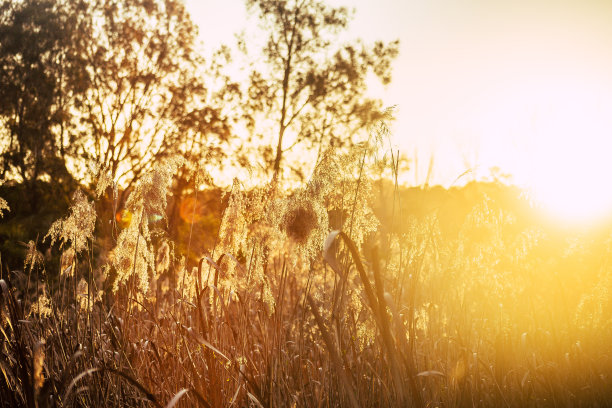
[300,222]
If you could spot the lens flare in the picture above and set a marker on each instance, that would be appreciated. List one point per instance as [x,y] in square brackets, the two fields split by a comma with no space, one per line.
[191,210]
[123,218]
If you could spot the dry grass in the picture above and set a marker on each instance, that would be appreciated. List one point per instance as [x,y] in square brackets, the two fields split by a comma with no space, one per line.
[285,312]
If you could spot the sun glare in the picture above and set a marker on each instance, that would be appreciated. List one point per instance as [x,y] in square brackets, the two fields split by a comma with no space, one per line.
[570,165]
[553,134]
[583,201]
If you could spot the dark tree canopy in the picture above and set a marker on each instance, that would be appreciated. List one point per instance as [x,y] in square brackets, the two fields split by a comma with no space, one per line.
[119,84]
[115,84]
[41,80]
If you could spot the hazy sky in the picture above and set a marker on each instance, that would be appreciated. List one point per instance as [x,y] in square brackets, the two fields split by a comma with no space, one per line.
[523,85]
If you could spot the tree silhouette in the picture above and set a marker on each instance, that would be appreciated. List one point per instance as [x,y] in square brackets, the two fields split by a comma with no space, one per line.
[116,84]
[148,98]
[41,80]
[311,86]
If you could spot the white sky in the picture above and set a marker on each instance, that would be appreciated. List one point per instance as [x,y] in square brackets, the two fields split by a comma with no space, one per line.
[525,85]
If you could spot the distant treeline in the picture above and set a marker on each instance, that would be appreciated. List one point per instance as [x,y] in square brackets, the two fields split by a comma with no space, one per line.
[395,208]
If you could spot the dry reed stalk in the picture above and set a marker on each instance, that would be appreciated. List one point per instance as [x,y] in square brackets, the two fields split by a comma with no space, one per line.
[336,361]
[392,352]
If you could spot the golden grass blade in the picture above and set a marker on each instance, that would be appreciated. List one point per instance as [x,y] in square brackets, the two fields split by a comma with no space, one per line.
[255,400]
[76,380]
[177,397]
[331,349]
[205,343]
[431,373]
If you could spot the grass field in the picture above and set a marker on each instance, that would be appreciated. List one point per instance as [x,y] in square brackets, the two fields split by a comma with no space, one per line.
[307,298]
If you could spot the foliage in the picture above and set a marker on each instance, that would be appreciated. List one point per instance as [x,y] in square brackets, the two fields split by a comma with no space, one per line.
[41,80]
[21,225]
[148,98]
[426,297]
[311,89]
[95,84]
[347,290]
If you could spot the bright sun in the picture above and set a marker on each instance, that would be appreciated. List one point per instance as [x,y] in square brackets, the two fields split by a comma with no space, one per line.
[556,140]
[570,165]
[573,192]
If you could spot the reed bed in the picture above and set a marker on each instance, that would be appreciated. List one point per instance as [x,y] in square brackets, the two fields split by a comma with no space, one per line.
[306,300]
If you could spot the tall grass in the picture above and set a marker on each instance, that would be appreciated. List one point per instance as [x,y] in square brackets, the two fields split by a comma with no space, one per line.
[306,300]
